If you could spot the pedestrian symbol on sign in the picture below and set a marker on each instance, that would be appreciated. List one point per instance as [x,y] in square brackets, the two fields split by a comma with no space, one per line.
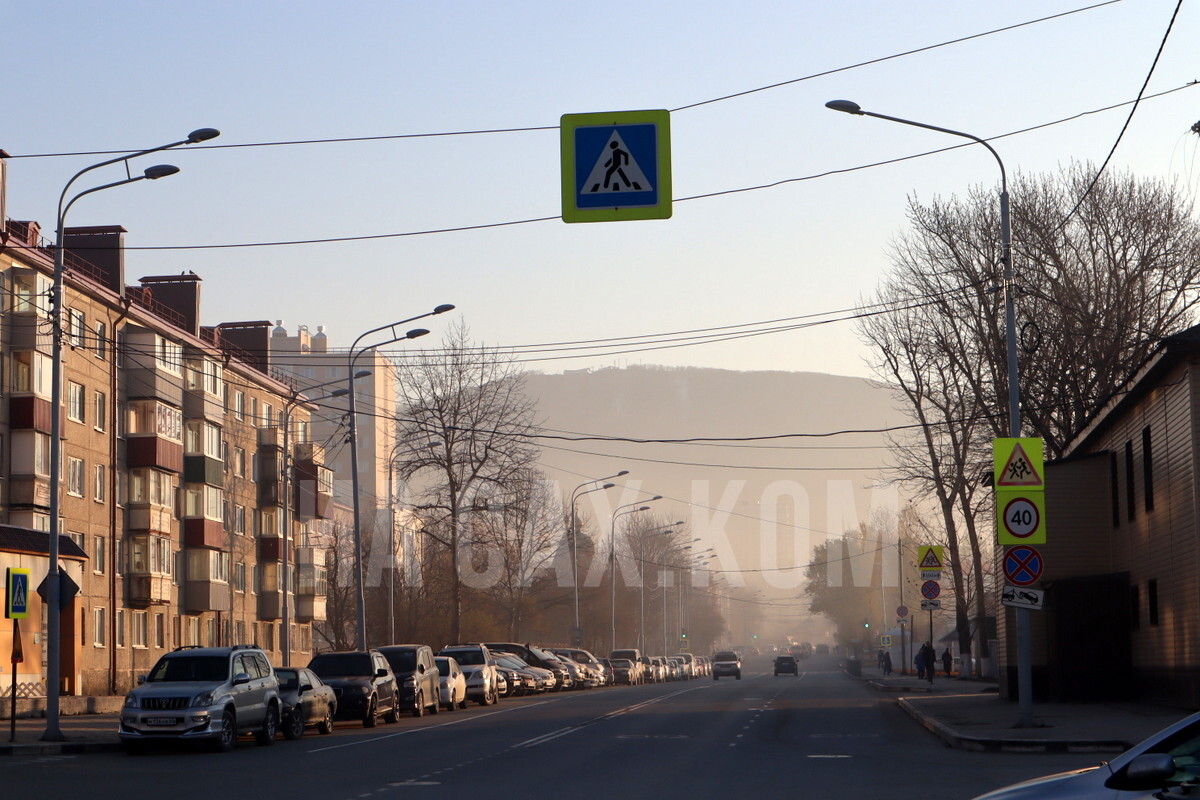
[615,162]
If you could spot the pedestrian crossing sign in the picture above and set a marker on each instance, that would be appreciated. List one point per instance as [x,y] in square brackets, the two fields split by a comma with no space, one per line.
[616,166]
[16,593]
[929,557]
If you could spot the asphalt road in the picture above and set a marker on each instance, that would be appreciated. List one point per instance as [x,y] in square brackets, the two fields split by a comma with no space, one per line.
[819,735]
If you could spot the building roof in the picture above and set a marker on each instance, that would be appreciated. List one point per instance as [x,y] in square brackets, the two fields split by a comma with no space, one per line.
[37,543]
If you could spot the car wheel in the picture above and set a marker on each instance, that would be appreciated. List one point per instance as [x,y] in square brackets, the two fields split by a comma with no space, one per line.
[371,718]
[393,715]
[739,676]
[265,735]
[227,736]
[325,726]
[451,705]
[436,706]
[418,709]
[464,702]
[293,727]
[716,677]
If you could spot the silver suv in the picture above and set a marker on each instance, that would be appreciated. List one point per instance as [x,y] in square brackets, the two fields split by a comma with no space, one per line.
[210,694]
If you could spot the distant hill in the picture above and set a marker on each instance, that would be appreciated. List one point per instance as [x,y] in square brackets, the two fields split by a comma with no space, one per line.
[811,486]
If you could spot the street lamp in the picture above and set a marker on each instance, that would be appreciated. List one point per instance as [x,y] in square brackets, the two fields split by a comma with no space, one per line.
[612,554]
[1024,635]
[646,534]
[352,356]
[285,637]
[577,633]
[52,732]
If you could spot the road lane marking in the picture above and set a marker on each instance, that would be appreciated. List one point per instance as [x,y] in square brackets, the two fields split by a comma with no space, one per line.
[425,728]
[548,737]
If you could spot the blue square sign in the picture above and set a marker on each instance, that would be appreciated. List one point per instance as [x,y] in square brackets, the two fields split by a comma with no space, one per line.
[616,166]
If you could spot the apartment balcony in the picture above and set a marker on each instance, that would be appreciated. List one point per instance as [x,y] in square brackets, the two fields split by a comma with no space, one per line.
[270,436]
[310,608]
[144,381]
[148,517]
[310,452]
[26,491]
[270,548]
[154,451]
[30,412]
[147,589]
[198,404]
[29,331]
[203,532]
[314,491]
[310,557]
[270,493]
[270,605]
[200,596]
[204,469]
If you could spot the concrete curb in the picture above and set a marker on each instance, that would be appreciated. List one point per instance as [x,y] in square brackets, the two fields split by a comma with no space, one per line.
[953,738]
[60,748]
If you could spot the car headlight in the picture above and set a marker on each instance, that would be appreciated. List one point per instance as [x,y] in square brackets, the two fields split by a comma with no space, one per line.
[363,689]
[131,701]
[204,698]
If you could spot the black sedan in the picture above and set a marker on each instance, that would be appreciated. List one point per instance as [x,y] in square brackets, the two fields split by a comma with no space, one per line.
[786,665]
[306,700]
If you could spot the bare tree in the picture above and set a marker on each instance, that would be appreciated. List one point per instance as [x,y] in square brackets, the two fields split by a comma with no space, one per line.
[467,424]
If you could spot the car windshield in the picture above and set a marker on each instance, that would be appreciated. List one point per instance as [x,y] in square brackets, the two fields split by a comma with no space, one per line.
[726,657]
[333,664]
[467,658]
[443,664]
[402,660]
[288,678]
[205,669]
[512,662]
[622,663]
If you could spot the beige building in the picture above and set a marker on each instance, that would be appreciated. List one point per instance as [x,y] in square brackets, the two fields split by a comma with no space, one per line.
[180,525]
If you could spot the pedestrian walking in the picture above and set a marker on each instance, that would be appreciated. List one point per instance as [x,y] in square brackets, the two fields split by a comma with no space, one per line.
[887,664]
[947,661]
[919,660]
[879,658]
[929,658]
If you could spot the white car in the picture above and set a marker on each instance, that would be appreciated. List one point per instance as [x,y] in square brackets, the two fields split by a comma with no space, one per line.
[479,669]
[453,684]
[1160,767]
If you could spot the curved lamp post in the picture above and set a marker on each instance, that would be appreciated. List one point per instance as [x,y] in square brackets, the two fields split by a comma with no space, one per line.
[352,356]
[620,511]
[1024,635]
[52,732]
[577,633]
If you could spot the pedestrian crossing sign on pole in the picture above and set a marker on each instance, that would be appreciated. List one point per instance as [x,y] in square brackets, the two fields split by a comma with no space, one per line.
[616,166]
[16,593]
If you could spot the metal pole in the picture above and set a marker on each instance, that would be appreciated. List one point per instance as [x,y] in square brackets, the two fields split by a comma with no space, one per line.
[285,638]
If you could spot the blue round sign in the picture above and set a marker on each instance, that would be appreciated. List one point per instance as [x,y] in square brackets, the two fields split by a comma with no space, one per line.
[1023,565]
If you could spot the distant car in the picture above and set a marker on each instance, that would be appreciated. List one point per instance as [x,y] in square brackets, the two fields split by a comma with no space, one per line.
[1163,766]
[727,664]
[416,677]
[624,671]
[535,680]
[480,670]
[689,665]
[634,656]
[452,690]
[306,701]
[786,665]
[364,684]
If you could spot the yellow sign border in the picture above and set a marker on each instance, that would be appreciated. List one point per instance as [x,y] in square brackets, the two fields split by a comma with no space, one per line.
[939,551]
[1037,498]
[1002,450]
[9,583]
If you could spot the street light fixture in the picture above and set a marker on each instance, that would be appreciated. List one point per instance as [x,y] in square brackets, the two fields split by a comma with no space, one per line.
[1024,635]
[612,554]
[577,633]
[297,398]
[52,732]
[352,356]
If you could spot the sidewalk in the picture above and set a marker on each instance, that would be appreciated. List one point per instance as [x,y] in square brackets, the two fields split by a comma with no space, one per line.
[84,733]
[970,714]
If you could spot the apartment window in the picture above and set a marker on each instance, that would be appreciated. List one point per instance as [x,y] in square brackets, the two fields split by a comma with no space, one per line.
[30,373]
[100,555]
[151,555]
[100,410]
[202,438]
[1135,608]
[75,402]
[191,630]
[208,565]
[1147,470]
[268,415]
[99,626]
[100,346]
[151,486]
[239,577]
[212,632]
[119,628]
[270,524]
[152,418]
[169,356]
[77,330]
[1130,494]
[30,453]
[30,293]
[239,520]
[305,638]
[205,376]
[140,632]
[254,410]
[239,632]
[239,405]
[75,477]
[239,462]
[160,631]
[99,483]
[202,500]
[1114,486]
[1152,600]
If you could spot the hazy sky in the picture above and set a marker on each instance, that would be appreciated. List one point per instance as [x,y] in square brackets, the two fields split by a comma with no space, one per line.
[87,76]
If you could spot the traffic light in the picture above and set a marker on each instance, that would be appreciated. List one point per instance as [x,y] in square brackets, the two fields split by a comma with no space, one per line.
[866,624]
[683,634]
[754,636]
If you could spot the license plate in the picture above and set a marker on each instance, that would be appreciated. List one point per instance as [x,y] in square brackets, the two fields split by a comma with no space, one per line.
[162,721]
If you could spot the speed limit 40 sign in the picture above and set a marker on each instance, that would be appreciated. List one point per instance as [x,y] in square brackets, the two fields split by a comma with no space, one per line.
[1020,516]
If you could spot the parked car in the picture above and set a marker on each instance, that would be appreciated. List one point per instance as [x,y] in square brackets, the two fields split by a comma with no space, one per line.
[480,671]
[633,655]
[535,657]
[364,684]
[416,675]
[209,694]
[452,683]
[593,670]
[648,671]
[573,676]
[508,681]
[662,673]
[786,665]
[1162,766]
[625,671]
[677,670]
[727,663]
[537,679]
[689,665]
[704,665]
[306,701]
